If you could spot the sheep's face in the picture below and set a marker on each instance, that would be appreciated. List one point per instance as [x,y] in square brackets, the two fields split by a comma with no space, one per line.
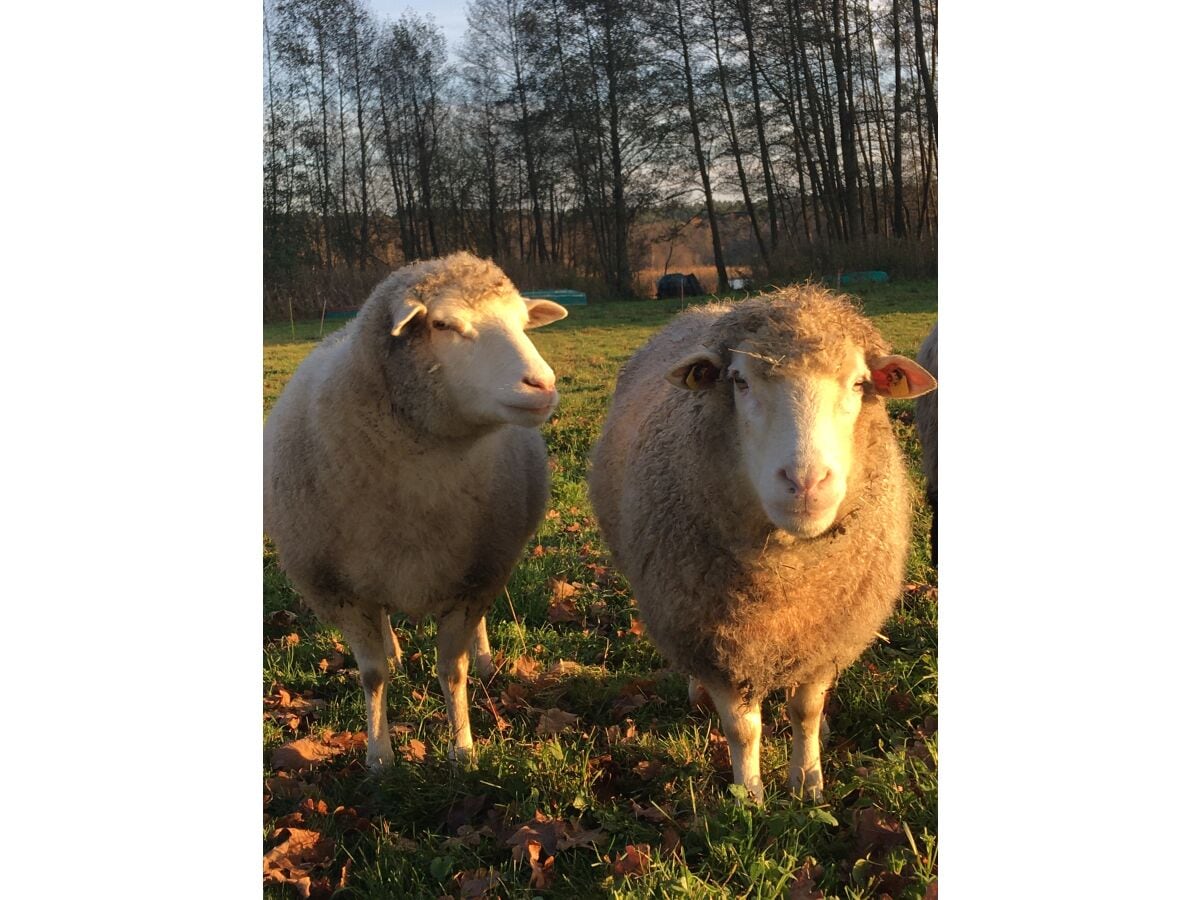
[795,422]
[493,373]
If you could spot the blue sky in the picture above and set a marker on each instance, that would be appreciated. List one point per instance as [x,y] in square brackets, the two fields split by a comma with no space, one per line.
[450,14]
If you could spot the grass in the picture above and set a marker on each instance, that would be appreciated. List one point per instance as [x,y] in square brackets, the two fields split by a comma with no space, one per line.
[638,766]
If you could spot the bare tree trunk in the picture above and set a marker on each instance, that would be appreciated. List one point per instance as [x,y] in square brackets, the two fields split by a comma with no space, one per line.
[897,168]
[923,68]
[743,8]
[693,119]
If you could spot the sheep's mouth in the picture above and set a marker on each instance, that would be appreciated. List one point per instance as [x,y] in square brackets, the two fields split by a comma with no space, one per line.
[542,411]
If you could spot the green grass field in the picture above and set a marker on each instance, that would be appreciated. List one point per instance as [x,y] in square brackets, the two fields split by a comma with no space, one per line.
[593,778]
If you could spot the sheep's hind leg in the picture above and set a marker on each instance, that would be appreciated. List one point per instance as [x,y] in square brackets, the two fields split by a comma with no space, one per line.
[481,651]
[741,720]
[805,703]
[456,632]
[361,629]
[391,641]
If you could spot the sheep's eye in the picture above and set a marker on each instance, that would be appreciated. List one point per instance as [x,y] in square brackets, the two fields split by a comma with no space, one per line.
[739,381]
[441,325]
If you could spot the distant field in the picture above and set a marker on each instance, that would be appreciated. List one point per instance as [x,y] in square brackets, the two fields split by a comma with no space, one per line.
[634,794]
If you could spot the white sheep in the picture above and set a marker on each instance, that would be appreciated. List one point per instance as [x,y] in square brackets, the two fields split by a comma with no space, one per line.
[750,487]
[926,417]
[404,471]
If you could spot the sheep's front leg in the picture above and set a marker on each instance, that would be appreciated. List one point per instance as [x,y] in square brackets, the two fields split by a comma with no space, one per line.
[481,651]
[742,721]
[804,705]
[456,633]
[371,654]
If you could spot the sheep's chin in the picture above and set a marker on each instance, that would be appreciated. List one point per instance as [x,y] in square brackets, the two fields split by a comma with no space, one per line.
[801,525]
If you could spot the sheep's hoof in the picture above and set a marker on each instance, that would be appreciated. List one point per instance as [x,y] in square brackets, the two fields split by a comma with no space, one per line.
[380,760]
[461,754]
[810,786]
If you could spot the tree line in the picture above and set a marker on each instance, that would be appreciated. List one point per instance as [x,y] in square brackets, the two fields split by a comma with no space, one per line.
[556,125]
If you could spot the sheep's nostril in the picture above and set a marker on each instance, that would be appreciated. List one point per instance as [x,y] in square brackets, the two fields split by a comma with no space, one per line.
[789,480]
[539,383]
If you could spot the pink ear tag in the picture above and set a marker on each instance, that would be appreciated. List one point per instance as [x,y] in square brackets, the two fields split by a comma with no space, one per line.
[891,381]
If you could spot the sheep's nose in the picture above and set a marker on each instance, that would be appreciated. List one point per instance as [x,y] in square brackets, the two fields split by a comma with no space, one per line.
[812,484]
[540,382]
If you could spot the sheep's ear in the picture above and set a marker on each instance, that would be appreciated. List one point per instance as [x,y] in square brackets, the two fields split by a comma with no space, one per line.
[898,378]
[403,312]
[696,372]
[543,312]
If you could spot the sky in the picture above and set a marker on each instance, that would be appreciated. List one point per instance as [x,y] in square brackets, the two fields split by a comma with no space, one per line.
[450,14]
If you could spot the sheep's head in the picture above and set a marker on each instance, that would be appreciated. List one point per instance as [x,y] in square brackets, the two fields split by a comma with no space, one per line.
[794,371]
[473,322]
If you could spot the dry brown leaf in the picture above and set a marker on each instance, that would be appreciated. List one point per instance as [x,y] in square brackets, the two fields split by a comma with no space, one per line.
[290,640]
[578,838]
[563,610]
[647,768]
[332,662]
[525,667]
[652,813]
[553,514]
[634,862]
[636,627]
[623,706]
[573,528]
[718,752]
[296,855]
[876,829]
[345,740]
[513,697]
[671,844]
[554,721]
[413,751]
[617,734]
[542,867]
[301,754]
[804,882]
[475,884]
[539,551]
[561,590]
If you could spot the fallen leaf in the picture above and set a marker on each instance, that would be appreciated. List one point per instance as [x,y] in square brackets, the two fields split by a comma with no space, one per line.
[718,752]
[513,697]
[671,844]
[539,551]
[465,810]
[636,627]
[647,769]
[563,610]
[618,734]
[804,882]
[475,884]
[301,754]
[561,590]
[290,640]
[525,667]
[573,528]
[577,837]
[623,706]
[652,813]
[634,862]
[540,830]
[876,829]
[332,662]
[554,721]
[552,514]
[346,740]
[542,868]
[413,751]
[296,855]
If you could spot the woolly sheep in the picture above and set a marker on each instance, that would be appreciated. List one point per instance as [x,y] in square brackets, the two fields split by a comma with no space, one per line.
[750,487]
[404,471]
[927,429]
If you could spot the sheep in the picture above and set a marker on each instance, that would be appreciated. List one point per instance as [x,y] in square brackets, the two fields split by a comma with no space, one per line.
[926,417]
[749,486]
[404,470]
